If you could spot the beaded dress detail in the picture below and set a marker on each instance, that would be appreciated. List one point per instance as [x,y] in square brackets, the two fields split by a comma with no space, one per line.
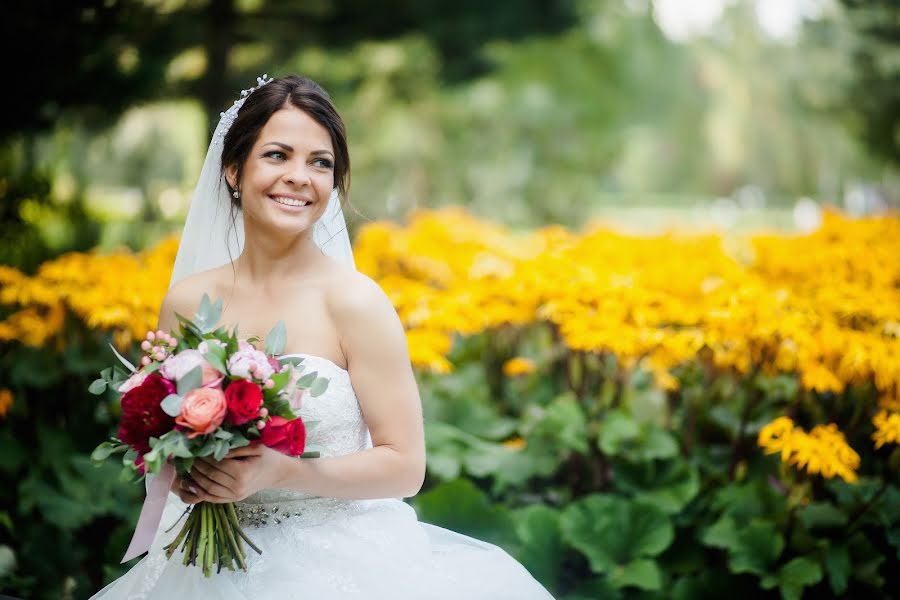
[330,548]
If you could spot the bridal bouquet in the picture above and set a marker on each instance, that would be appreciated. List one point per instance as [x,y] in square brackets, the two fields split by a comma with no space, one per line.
[202,393]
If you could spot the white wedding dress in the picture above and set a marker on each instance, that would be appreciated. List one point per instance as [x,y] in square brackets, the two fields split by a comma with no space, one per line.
[330,549]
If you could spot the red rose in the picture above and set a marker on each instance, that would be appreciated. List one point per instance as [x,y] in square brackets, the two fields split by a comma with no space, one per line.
[288,437]
[244,399]
[142,416]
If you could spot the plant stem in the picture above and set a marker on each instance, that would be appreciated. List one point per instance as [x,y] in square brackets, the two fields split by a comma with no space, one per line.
[232,518]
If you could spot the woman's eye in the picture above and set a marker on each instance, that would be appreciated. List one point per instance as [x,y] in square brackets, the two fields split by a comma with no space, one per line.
[276,154]
[323,163]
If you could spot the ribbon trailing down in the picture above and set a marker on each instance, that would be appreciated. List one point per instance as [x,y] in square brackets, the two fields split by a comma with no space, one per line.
[151,513]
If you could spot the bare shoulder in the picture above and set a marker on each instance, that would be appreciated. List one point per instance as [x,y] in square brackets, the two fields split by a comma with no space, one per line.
[366,320]
[184,297]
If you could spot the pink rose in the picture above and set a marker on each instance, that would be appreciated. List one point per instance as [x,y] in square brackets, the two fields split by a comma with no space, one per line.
[239,363]
[176,367]
[202,411]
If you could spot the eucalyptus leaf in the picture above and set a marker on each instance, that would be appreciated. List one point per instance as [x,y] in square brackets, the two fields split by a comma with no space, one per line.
[191,380]
[171,405]
[276,339]
[131,367]
[307,379]
[104,451]
[222,449]
[222,434]
[318,387]
[208,314]
[97,387]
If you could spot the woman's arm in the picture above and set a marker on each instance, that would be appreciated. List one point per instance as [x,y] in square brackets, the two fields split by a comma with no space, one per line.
[374,343]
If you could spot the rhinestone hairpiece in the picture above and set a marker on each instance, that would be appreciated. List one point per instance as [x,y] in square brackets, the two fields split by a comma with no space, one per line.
[227,117]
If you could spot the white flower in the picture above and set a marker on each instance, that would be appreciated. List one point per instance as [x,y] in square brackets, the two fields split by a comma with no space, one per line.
[176,367]
[239,363]
[132,382]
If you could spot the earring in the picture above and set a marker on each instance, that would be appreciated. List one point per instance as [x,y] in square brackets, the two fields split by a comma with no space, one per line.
[236,195]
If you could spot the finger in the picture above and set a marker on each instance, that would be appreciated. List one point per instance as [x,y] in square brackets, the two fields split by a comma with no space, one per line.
[214,490]
[251,450]
[218,472]
[185,490]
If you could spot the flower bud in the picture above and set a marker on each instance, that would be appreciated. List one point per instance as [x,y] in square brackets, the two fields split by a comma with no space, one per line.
[260,424]
[269,384]
[160,356]
[145,361]
[263,412]
[151,336]
[145,345]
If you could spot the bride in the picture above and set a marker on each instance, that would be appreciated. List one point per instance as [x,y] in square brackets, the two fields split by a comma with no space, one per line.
[265,233]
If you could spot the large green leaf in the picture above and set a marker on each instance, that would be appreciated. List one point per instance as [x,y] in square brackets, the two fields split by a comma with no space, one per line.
[793,577]
[623,435]
[541,547]
[668,485]
[837,565]
[752,548]
[641,573]
[617,429]
[460,506]
[822,515]
[610,530]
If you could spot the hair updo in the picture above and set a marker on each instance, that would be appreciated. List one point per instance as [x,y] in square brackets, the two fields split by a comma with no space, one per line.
[301,93]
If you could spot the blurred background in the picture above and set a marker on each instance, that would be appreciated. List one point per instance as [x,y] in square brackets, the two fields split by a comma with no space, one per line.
[551,120]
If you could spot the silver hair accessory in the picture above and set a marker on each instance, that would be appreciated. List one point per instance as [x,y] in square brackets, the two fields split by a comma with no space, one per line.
[227,117]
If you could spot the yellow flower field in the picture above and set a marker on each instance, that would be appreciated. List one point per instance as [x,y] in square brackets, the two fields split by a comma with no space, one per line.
[823,306]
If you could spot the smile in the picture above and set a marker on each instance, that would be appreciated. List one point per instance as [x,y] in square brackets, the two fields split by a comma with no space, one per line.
[290,201]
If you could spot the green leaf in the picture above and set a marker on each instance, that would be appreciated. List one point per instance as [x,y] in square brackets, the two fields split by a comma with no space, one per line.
[208,314]
[222,448]
[610,530]
[318,387]
[191,380]
[124,361]
[97,387]
[751,549]
[822,515]
[222,434]
[668,485]
[837,565]
[238,440]
[796,575]
[104,451]
[276,339]
[291,360]
[460,506]
[215,356]
[616,429]
[307,379]
[641,573]
[541,543]
[171,405]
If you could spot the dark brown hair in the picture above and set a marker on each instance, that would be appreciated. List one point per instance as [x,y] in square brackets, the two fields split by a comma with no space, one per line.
[301,93]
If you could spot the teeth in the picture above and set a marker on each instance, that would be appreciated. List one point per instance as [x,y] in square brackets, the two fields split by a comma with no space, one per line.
[288,201]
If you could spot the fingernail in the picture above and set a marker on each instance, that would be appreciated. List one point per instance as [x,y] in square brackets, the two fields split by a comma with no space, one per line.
[193,489]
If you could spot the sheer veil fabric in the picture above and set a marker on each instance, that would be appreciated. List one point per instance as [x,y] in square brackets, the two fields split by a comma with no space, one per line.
[314,547]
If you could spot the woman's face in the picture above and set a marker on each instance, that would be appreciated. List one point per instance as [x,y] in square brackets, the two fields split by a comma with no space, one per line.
[291,164]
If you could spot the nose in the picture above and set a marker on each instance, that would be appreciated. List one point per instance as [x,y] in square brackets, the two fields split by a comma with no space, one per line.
[297,174]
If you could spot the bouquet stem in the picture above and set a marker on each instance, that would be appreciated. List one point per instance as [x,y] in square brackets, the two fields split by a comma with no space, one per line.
[212,535]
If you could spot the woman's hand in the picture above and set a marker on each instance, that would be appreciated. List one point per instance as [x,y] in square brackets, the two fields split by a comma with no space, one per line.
[243,471]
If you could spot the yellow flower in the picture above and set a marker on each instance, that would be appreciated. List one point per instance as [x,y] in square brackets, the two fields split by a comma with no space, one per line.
[887,428]
[824,450]
[6,401]
[518,366]
[516,444]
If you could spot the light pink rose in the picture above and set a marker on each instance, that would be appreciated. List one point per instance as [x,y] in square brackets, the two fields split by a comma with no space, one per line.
[132,382]
[239,362]
[176,367]
[202,411]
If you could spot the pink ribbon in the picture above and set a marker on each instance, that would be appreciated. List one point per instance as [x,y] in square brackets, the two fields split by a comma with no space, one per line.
[151,513]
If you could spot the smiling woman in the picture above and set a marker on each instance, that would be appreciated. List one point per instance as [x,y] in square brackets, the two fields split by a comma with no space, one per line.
[335,526]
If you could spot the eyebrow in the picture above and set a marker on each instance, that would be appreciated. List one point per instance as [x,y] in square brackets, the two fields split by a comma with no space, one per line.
[291,148]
